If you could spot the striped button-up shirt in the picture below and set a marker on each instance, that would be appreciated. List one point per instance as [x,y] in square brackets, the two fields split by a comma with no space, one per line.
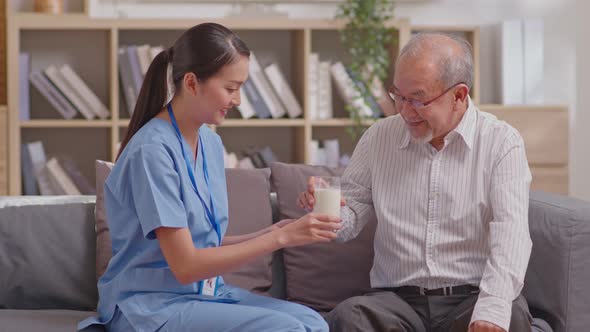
[445,218]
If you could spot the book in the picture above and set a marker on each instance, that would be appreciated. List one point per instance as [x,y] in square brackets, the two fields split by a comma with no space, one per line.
[136,76]
[255,157]
[38,158]
[324,92]
[61,178]
[264,89]
[87,95]
[267,156]
[379,91]
[127,85]
[283,90]
[53,95]
[366,93]
[332,148]
[313,86]
[155,50]
[348,89]
[65,86]
[24,98]
[246,163]
[255,99]
[314,146]
[144,57]
[245,108]
[231,160]
[28,172]
[74,173]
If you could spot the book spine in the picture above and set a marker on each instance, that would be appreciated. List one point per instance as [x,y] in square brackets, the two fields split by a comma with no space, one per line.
[127,80]
[255,100]
[64,86]
[270,99]
[85,92]
[53,95]
[24,64]
[283,90]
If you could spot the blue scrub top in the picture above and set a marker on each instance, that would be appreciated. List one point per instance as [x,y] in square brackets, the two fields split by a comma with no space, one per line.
[149,187]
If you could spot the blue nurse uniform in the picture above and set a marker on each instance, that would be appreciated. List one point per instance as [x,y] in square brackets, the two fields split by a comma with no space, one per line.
[149,187]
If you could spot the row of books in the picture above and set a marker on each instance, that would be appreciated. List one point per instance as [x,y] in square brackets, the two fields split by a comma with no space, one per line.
[267,93]
[134,61]
[371,99]
[63,88]
[327,153]
[53,176]
[322,153]
[254,157]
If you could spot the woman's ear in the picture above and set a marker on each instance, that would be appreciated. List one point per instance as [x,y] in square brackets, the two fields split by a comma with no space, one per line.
[190,83]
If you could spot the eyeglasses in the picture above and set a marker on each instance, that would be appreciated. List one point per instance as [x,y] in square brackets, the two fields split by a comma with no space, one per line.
[416,104]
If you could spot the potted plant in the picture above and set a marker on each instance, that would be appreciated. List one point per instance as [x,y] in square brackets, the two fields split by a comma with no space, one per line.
[367,38]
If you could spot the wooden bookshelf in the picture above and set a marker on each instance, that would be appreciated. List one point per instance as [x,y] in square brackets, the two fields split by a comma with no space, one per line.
[3,150]
[90,47]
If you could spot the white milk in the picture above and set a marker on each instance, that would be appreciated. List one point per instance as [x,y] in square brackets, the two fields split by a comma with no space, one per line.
[327,201]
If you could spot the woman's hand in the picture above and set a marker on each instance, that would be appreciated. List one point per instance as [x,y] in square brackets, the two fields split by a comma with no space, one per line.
[308,229]
[282,223]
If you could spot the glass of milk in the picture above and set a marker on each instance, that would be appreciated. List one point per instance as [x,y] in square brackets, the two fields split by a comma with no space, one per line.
[327,195]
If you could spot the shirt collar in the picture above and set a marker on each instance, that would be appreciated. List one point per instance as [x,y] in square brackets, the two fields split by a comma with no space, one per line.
[465,129]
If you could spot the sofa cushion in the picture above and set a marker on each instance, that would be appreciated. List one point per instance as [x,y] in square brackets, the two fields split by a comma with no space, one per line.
[104,250]
[320,275]
[249,211]
[47,253]
[44,320]
[559,269]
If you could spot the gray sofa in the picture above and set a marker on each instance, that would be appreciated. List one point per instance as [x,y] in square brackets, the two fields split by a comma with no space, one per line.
[48,255]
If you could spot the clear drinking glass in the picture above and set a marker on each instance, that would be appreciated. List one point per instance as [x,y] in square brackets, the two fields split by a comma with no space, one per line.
[327,195]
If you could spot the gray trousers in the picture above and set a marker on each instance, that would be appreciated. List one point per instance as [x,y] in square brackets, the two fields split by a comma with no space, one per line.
[385,311]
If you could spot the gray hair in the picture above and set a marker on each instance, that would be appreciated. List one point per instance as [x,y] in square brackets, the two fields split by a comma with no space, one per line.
[453,69]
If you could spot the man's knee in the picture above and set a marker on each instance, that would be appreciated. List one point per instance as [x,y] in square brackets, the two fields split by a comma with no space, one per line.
[366,313]
[342,316]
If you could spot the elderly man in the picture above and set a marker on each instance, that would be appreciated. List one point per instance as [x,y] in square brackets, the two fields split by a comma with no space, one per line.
[449,186]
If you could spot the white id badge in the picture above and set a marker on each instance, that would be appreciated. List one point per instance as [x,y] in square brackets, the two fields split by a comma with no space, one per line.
[208,286]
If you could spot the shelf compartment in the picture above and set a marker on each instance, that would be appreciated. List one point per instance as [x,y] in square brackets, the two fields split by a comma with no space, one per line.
[90,145]
[76,49]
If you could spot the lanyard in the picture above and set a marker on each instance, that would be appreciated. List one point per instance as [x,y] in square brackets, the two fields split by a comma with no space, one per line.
[187,159]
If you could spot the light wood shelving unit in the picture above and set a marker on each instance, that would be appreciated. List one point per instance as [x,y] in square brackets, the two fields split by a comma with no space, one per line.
[90,47]
[3,150]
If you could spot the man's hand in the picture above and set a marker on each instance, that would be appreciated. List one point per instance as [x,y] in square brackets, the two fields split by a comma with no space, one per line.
[483,326]
[306,199]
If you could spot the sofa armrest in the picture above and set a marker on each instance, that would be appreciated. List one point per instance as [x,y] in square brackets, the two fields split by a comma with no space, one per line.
[559,270]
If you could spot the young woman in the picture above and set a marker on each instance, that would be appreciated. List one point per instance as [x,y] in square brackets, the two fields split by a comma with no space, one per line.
[166,204]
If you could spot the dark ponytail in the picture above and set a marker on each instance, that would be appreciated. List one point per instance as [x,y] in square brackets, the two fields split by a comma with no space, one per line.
[203,50]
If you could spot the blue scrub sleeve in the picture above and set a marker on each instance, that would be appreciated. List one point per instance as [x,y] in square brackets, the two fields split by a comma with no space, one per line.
[156,189]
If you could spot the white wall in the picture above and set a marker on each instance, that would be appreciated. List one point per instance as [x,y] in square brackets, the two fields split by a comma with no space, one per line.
[579,153]
[560,53]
